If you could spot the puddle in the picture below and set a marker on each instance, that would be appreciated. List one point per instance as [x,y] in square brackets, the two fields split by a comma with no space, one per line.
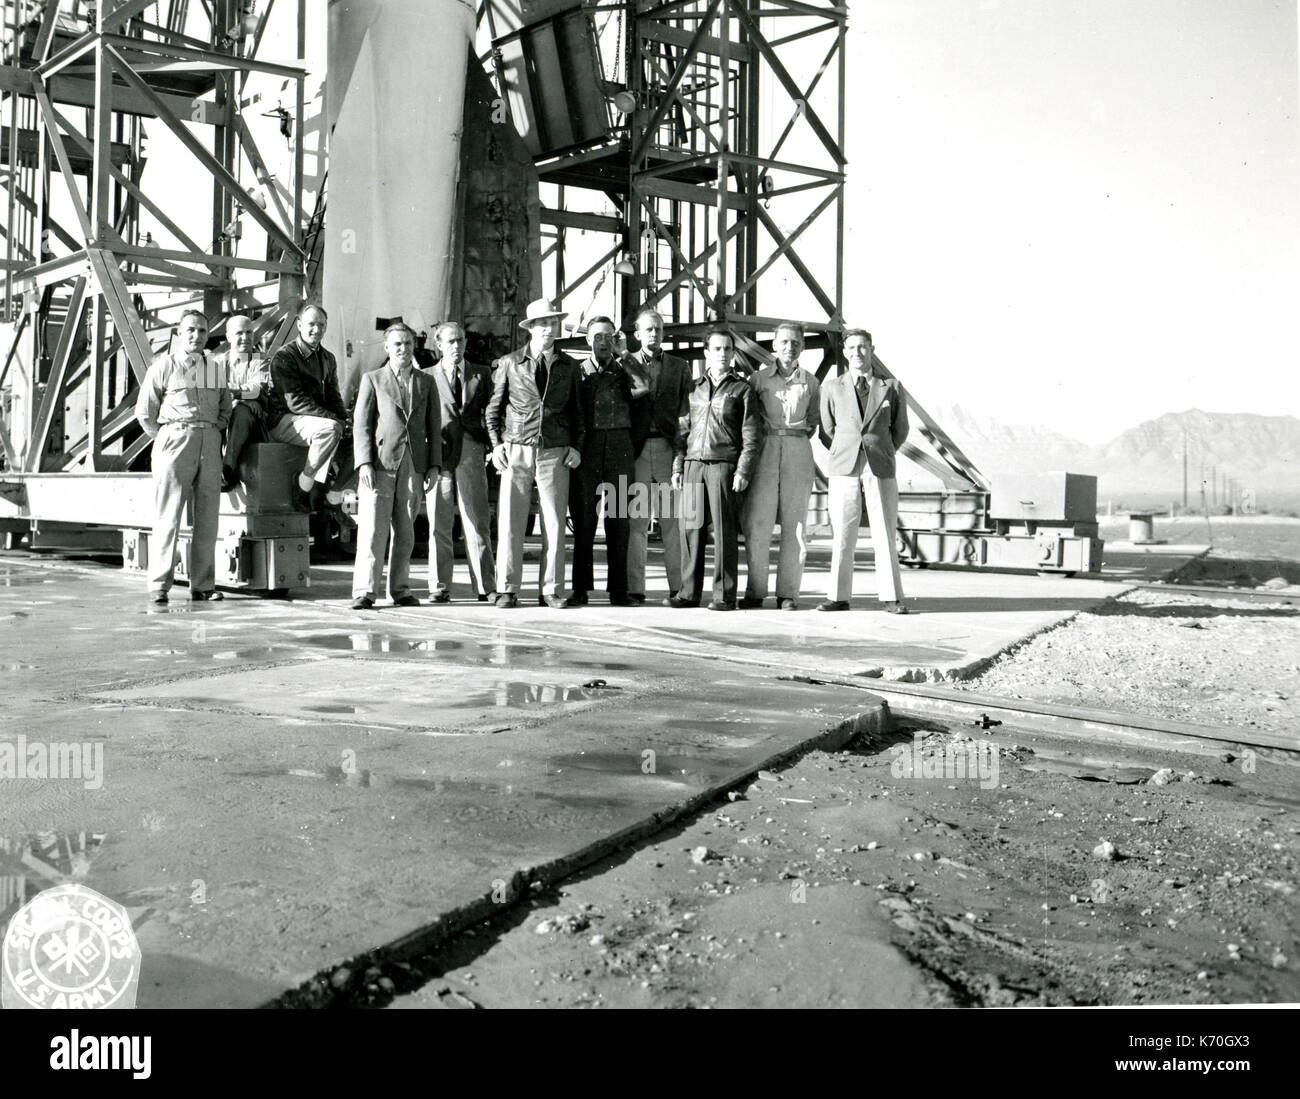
[526,694]
[16,667]
[479,652]
[246,654]
[684,769]
[331,708]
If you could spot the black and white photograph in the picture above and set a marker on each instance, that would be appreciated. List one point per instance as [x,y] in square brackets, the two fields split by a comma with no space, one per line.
[761,505]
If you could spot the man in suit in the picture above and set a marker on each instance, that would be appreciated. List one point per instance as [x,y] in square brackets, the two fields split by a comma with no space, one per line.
[791,400]
[865,416]
[662,393]
[183,406]
[305,407]
[398,446]
[606,391]
[249,378]
[536,426]
[724,430]
[463,389]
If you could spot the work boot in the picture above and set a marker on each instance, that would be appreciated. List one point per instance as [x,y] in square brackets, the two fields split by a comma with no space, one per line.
[751,603]
[507,600]
[362,603]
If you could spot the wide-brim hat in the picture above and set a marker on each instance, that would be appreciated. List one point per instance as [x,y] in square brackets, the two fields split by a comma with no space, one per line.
[541,310]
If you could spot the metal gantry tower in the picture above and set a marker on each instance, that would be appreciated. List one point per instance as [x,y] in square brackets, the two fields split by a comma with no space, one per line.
[100,253]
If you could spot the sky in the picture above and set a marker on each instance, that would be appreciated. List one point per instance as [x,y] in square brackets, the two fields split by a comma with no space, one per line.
[1074,214]
[1078,214]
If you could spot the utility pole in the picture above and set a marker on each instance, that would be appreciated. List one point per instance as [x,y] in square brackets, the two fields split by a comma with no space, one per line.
[1184,470]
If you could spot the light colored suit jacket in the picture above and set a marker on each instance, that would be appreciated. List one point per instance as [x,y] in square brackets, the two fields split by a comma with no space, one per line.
[386,421]
[863,437]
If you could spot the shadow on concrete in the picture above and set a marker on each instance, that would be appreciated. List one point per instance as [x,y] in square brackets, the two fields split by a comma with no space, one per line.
[1194,610]
[1245,572]
[988,604]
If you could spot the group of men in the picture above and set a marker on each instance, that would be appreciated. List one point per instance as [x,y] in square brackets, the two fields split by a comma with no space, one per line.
[600,438]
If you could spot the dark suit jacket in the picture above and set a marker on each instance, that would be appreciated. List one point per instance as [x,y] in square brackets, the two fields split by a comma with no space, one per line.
[517,413]
[468,420]
[385,423]
[304,384]
[863,437]
[664,410]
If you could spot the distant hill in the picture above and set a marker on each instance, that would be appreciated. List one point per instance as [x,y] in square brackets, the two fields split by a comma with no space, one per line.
[1261,452]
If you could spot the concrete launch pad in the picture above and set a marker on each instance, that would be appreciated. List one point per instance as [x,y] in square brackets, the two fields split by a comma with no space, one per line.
[285,785]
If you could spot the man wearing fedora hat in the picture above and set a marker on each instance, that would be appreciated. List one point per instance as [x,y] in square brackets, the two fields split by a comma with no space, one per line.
[536,425]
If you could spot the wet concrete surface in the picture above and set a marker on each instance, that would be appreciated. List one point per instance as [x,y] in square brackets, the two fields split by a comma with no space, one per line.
[288,784]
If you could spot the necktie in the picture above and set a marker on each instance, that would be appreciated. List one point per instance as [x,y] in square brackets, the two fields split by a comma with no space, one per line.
[863,386]
[455,387]
[540,374]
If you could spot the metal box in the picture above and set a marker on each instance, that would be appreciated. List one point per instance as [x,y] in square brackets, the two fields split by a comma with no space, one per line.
[1046,498]
[268,470]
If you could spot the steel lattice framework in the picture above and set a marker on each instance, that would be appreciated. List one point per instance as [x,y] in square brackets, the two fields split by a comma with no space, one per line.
[77,82]
[723,160]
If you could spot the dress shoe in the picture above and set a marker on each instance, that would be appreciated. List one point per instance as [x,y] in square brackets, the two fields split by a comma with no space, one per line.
[621,601]
[159,597]
[407,601]
[507,600]
[673,601]
[750,603]
[578,599]
[720,605]
[833,605]
[558,602]
[789,605]
[229,479]
[301,500]
[444,597]
[637,597]
[896,607]
[487,597]
[204,596]
[362,603]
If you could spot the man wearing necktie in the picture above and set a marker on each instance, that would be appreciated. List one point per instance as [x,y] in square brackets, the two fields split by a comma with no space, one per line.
[661,402]
[865,416]
[462,389]
[398,446]
[536,425]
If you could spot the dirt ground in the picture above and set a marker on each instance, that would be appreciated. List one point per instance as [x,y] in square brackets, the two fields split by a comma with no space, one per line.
[928,867]
[1205,660]
[858,879]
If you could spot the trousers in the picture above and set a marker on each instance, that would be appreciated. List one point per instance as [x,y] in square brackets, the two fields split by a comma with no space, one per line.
[319,434]
[544,467]
[779,492]
[654,467]
[845,506]
[392,503]
[247,424]
[186,467]
[719,505]
[464,488]
[606,457]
